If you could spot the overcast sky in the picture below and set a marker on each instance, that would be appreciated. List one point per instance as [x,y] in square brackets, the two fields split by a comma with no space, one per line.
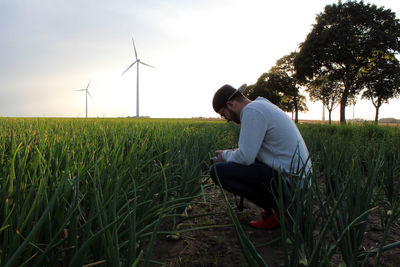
[51,48]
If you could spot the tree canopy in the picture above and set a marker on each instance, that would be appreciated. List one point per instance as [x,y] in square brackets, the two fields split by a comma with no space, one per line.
[280,86]
[344,36]
[325,90]
[381,79]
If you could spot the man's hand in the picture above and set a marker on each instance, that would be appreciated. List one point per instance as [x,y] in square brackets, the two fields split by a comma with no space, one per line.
[218,154]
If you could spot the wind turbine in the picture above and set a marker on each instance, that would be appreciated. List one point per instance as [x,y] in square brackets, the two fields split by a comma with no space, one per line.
[87,93]
[138,61]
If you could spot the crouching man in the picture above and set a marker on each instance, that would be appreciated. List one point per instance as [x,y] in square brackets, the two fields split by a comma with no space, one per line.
[269,142]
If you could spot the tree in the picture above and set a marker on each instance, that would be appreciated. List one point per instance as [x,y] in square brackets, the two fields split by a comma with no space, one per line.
[294,105]
[281,87]
[290,85]
[344,35]
[286,88]
[327,91]
[381,79]
[260,89]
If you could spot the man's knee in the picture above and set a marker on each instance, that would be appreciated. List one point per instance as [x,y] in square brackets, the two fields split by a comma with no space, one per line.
[217,170]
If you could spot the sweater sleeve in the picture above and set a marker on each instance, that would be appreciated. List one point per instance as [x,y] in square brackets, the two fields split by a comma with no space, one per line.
[252,132]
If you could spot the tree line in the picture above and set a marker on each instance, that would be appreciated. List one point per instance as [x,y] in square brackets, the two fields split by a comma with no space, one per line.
[351,51]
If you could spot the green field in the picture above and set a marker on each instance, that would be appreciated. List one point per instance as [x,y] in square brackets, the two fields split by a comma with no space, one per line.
[76,191]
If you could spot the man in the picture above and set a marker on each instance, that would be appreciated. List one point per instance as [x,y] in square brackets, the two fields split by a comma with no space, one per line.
[269,143]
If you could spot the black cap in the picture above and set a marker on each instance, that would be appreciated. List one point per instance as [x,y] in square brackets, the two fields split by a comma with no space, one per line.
[224,94]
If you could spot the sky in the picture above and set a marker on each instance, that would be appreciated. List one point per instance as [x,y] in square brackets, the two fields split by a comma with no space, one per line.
[51,48]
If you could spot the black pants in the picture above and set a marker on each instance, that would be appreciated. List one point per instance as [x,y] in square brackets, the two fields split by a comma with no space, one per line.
[257,182]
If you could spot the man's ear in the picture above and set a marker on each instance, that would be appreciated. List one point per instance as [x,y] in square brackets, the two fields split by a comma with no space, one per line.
[230,104]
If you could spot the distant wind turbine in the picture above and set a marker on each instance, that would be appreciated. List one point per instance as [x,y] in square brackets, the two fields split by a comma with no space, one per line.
[87,93]
[138,61]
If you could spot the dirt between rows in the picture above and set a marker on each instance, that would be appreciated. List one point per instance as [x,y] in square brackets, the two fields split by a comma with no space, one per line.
[219,246]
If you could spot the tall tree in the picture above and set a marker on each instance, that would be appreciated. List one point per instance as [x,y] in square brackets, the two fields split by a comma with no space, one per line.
[260,89]
[327,91]
[280,86]
[343,36]
[289,85]
[381,79]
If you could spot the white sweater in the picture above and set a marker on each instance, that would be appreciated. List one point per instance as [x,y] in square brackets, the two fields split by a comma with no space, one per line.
[269,135]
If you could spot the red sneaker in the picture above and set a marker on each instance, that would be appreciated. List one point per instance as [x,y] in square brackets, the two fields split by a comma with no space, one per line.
[269,220]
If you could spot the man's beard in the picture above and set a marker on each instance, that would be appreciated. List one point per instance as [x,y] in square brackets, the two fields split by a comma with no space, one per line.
[234,116]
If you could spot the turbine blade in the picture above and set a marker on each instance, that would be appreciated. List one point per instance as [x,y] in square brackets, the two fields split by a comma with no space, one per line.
[88,85]
[81,90]
[147,65]
[129,67]
[134,47]
[90,94]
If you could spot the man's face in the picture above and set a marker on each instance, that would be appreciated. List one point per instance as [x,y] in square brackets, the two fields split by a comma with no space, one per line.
[229,115]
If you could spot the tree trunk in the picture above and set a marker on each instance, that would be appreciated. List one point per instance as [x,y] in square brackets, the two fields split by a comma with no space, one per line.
[296,110]
[376,115]
[330,116]
[377,106]
[342,111]
[343,102]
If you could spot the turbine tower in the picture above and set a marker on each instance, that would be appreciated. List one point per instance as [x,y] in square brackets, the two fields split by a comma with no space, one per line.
[86,93]
[138,61]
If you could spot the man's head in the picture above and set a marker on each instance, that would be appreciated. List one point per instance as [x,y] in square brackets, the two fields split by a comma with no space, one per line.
[229,102]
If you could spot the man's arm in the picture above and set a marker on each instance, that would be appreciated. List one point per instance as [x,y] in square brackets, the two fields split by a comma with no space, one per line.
[252,132]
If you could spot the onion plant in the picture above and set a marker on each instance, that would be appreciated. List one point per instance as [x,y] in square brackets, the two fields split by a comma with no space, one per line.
[96,191]
[329,219]
[76,192]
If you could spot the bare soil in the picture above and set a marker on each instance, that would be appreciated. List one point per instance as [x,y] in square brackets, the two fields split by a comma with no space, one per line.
[218,246]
